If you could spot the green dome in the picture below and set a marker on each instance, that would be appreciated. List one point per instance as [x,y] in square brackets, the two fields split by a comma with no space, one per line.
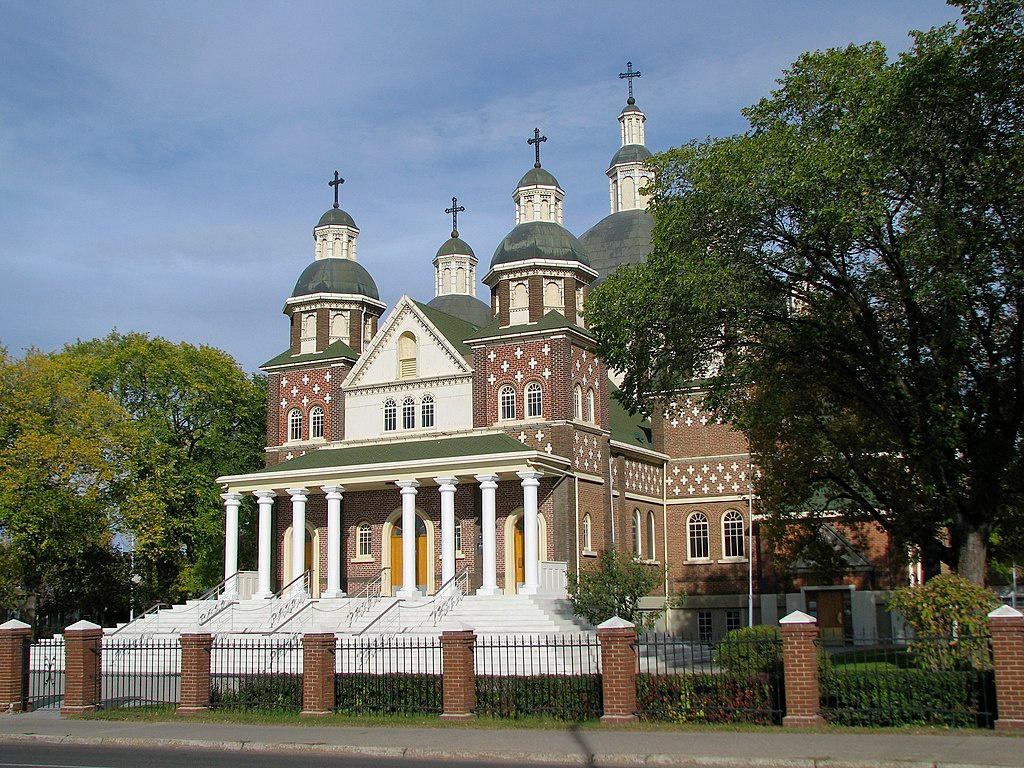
[338,218]
[630,106]
[631,153]
[539,240]
[538,177]
[335,276]
[455,247]
[468,308]
[621,238]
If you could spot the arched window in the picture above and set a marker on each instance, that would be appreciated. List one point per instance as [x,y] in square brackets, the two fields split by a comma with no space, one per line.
[534,401]
[339,327]
[698,544]
[588,544]
[307,339]
[628,193]
[732,534]
[390,415]
[460,280]
[407,356]
[638,549]
[316,423]
[446,280]
[650,536]
[427,411]
[553,296]
[579,306]
[368,328]
[577,410]
[364,540]
[295,424]
[408,413]
[507,403]
[591,412]
[520,298]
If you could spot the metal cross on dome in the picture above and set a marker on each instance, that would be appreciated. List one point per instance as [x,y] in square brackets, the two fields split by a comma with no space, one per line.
[338,181]
[536,141]
[628,75]
[455,210]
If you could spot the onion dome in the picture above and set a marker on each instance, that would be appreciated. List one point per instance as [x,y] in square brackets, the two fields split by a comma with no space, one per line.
[455,246]
[538,177]
[336,217]
[539,240]
[630,106]
[335,276]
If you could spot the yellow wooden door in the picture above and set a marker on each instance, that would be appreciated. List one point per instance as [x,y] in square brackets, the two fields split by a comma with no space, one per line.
[518,552]
[396,557]
[421,559]
[308,566]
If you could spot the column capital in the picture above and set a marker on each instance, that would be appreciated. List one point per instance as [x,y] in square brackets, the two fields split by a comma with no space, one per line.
[333,492]
[408,486]
[297,494]
[232,498]
[265,496]
[487,481]
[446,482]
[530,478]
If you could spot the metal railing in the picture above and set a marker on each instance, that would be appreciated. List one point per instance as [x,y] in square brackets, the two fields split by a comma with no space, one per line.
[432,610]
[450,595]
[140,671]
[370,594]
[146,614]
[388,675]
[45,687]
[256,673]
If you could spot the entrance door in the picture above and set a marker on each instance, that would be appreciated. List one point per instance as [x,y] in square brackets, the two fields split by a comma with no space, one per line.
[830,616]
[518,553]
[314,587]
[421,555]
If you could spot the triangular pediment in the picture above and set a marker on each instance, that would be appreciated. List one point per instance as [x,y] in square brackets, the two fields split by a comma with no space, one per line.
[436,356]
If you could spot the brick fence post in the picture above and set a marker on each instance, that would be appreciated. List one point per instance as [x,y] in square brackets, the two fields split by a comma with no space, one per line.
[15,638]
[318,651]
[83,644]
[458,673]
[800,665]
[618,670]
[194,693]
[1007,627]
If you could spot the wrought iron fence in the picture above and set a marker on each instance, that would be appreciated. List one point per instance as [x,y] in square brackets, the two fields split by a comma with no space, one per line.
[554,675]
[139,671]
[923,681]
[45,671]
[256,673]
[388,674]
[735,680]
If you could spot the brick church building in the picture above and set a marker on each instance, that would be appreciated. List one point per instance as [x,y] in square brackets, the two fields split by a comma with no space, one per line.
[480,439]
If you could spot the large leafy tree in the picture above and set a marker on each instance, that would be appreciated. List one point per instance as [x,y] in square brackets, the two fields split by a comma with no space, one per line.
[847,275]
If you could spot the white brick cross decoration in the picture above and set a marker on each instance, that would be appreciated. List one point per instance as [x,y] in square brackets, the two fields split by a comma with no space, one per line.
[284,403]
[519,353]
[305,379]
[305,400]
[533,363]
[519,376]
[504,366]
[546,374]
[545,349]
[539,435]
[328,376]
[327,397]
[491,379]
[522,437]
[491,355]
[284,381]
[295,391]
[316,389]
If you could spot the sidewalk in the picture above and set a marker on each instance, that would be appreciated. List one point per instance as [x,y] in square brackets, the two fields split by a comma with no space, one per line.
[710,749]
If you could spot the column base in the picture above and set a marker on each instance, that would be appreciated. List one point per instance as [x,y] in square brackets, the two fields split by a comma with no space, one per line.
[262,595]
[407,593]
[332,594]
[228,596]
[613,719]
[529,589]
[1005,724]
[489,591]
[802,721]
[191,710]
[460,716]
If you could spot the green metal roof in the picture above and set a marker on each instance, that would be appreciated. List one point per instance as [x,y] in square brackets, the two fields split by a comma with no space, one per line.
[413,450]
[538,177]
[630,153]
[539,240]
[626,427]
[630,107]
[455,246]
[550,322]
[338,218]
[333,275]
[455,329]
[339,350]
[617,239]
[468,308]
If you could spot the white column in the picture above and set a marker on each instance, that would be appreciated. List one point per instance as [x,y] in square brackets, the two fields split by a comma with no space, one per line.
[447,488]
[298,541]
[231,504]
[334,495]
[531,579]
[408,491]
[265,500]
[488,535]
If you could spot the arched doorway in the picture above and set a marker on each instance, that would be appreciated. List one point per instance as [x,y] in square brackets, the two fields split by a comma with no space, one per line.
[421,555]
[515,549]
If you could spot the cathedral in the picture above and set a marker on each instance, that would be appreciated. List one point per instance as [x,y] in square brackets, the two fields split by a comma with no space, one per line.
[477,440]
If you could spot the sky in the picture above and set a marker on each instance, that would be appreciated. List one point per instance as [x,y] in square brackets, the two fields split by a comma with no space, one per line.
[162,164]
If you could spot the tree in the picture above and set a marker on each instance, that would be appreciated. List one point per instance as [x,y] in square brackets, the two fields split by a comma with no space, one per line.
[846,278]
[614,588]
[195,415]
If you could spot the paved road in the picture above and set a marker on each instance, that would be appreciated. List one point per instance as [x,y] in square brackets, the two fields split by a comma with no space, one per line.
[79,756]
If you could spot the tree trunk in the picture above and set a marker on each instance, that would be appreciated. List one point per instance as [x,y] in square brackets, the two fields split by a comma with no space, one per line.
[972,558]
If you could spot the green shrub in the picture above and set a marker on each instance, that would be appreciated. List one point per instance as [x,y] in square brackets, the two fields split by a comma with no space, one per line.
[751,651]
[708,698]
[614,588]
[362,693]
[573,698]
[274,691]
[891,696]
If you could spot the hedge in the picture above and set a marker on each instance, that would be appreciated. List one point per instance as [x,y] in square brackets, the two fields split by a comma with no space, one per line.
[573,698]
[395,692]
[272,691]
[709,698]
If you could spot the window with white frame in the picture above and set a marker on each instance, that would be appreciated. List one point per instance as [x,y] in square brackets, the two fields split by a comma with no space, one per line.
[591,407]
[534,404]
[408,413]
[427,411]
[340,326]
[553,297]
[294,424]
[316,423]
[579,306]
[698,542]
[732,534]
[704,630]
[364,540]
[588,544]
[638,545]
[519,304]
[507,403]
[458,537]
[307,339]
[732,620]
[650,536]
[577,397]
[390,415]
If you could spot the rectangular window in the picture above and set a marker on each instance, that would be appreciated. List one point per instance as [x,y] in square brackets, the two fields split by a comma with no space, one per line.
[408,413]
[458,536]
[427,411]
[704,627]
[732,620]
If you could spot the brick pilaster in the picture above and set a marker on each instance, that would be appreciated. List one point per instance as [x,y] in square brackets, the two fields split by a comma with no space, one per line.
[195,673]
[1007,627]
[800,663]
[318,674]
[15,638]
[458,674]
[83,644]
[618,670]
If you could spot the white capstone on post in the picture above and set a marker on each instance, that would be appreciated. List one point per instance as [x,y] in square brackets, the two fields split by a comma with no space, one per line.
[298,586]
[231,503]
[446,485]
[531,577]
[488,534]
[265,502]
[408,491]
[333,493]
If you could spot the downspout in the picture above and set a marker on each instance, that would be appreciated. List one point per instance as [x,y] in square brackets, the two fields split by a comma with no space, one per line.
[576,504]
[664,540]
